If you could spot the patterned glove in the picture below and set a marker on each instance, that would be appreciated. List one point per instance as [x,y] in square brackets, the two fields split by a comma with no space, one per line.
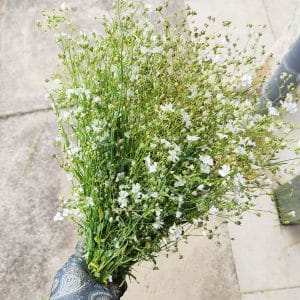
[73,282]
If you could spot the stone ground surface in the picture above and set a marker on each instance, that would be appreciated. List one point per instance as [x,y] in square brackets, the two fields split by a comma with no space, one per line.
[261,263]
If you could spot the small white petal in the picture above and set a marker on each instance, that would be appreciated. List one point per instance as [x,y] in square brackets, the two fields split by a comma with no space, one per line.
[192,138]
[224,171]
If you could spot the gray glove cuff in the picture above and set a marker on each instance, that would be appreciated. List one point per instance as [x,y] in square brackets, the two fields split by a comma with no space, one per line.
[73,282]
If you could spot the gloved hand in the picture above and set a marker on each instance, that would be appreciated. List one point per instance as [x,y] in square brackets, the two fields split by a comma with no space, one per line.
[74,282]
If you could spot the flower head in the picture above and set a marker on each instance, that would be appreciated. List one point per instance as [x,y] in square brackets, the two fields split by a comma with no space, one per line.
[290,107]
[192,138]
[168,107]
[152,167]
[224,171]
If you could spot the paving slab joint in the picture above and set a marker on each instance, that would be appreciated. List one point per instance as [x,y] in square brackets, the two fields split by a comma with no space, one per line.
[24,113]
[271,290]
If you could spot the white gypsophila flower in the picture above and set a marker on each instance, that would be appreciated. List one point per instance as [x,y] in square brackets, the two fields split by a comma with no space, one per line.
[166,143]
[73,151]
[78,110]
[207,160]
[110,278]
[152,167]
[195,193]
[97,99]
[292,214]
[154,194]
[224,171]
[273,111]
[158,211]
[191,167]
[218,59]
[158,224]
[239,180]
[194,92]
[240,150]
[186,118]
[178,214]
[233,128]
[70,92]
[65,212]
[213,210]
[179,183]
[136,187]
[200,187]
[58,217]
[246,80]
[122,199]
[120,176]
[138,197]
[144,50]
[289,97]
[168,107]
[180,200]
[196,222]
[121,186]
[222,136]
[173,155]
[90,201]
[110,220]
[157,49]
[205,168]
[96,128]
[208,94]
[290,107]
[87,93]
[77,213]
[220,97]
[177,148]
[175,232]
[130,93]
[192,138]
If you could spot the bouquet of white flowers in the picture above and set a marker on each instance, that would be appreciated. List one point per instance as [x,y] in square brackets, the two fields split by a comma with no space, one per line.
[159,131]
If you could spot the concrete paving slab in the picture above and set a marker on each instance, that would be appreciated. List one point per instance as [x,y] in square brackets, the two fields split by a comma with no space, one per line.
[289,294]
[240,13]
[206,272]
[280,14]
[266,254]
[289,154]
[27,55]
[32,246]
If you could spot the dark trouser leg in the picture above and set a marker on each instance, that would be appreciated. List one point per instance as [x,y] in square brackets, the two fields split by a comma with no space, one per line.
[285,77]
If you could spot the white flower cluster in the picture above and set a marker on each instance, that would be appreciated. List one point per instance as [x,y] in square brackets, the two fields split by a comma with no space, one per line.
[158,133]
